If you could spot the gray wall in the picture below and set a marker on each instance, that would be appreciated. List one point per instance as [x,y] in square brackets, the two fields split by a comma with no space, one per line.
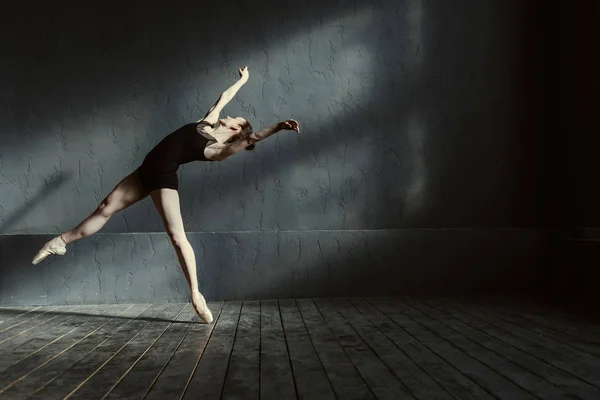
[419,121]
[573,189]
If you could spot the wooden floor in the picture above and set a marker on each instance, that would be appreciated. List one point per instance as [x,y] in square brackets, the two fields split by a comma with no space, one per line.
[383,348]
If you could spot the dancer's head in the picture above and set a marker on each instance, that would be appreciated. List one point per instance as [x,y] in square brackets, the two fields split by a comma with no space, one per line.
[239,128]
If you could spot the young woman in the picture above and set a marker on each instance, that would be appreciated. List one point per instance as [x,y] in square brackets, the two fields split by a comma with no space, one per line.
[208,139]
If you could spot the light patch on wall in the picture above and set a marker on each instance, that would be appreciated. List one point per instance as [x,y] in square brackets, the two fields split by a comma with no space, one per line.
[417,179]
[320,71]
[416,129]
[315,87]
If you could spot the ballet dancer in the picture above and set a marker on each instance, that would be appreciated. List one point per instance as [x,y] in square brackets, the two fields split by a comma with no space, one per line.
[208,139]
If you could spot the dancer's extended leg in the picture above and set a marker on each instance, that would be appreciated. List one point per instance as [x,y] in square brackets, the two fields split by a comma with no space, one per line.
[167,204]
[126,193]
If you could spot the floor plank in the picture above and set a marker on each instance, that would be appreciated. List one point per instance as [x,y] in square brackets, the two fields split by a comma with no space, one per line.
[311,379]
[106,378]
[7,314]
[143,373]
[14,316]
[420,384]
[423,348]
[243,374]
[68,381]
[24,322]
[567,359]
[452,379]
[528,330]
[383,383]
[581,327]
[434,320]
[460,384]
[478,330]
[36,378]
[41,339]
[172,381]
[276,376]
[8,344]
[556,332]
[347,383]
[209,375]
[25,358]
[487,378]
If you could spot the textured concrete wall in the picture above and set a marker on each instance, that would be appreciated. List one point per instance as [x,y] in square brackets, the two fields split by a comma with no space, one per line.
[572,172]
[415,114]
[143,267]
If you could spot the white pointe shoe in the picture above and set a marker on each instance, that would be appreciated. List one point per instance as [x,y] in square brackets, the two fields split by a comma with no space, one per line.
[54,246]
[201,308]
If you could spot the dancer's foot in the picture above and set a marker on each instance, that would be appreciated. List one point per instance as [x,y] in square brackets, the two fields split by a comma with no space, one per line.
[201,308]
[54,246]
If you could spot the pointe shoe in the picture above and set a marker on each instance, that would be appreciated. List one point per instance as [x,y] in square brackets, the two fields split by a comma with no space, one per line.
[54,246]
[201,308]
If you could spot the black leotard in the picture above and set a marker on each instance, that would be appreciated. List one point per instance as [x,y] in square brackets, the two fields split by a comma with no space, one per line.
[186,144]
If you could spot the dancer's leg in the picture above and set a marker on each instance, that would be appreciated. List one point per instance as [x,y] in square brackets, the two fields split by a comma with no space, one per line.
[126,193]
[167,204]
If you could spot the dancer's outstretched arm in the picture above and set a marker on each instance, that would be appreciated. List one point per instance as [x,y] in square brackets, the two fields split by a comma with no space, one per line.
[212,115]
[255,137]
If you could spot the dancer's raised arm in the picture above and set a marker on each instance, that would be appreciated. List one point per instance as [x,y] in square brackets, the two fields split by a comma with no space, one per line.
[212,115]
[240,144]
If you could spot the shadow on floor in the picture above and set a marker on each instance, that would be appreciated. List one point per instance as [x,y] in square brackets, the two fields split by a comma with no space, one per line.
[43,311]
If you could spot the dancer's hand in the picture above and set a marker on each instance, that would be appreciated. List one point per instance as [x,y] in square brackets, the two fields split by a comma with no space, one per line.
[289,125]
[244,75]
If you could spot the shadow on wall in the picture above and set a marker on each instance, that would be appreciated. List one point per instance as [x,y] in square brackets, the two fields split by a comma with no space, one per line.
[116,268]
[52,184]
[368,263]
